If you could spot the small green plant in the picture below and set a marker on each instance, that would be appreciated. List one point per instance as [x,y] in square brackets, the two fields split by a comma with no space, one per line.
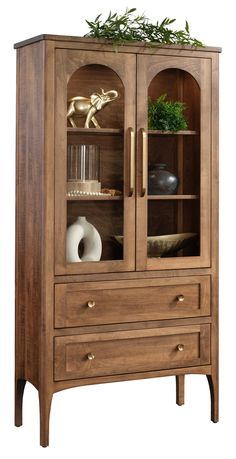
[133,27]
[166,115]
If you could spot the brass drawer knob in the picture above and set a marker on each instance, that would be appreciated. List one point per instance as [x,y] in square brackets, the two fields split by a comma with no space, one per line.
[90,356]
[91,304]
[180,298]
[180,347]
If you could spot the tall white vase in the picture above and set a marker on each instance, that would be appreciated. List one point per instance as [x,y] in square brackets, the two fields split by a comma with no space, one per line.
[78,231]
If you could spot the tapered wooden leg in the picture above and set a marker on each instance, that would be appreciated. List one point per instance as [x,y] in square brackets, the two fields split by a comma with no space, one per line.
[45,401]
[180,390]
[214,392]
[19,392]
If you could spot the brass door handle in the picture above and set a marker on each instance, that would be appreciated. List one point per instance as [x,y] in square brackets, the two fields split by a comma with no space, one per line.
[90,356]
[180,298]
[144,162]
[180,347]
[91,304]
[131,161]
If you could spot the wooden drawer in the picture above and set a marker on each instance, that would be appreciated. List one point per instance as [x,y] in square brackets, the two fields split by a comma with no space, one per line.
[129,301]
[85,356]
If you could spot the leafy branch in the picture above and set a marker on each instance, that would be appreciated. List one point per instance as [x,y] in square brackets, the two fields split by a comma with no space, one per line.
[133,27]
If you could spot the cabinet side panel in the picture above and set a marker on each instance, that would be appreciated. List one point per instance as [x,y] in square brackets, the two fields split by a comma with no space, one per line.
[20,242]
[215,232]
[29,209]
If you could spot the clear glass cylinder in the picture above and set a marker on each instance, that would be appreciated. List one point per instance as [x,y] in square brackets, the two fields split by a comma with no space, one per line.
[83,163]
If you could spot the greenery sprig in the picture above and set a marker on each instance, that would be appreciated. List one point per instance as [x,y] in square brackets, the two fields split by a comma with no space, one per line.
[166,115]
[133,27]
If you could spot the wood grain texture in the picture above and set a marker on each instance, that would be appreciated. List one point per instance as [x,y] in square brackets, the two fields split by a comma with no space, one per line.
[46,386]
[101,131]
[213,379]
[170,50]
[179,197]
[19,263]
[180,379]
[133,275]
[19,393]
[34,222]
[130,352]
[156,132]
[29,210]
[199,370]
[132,326]
[119,302]
[80,40]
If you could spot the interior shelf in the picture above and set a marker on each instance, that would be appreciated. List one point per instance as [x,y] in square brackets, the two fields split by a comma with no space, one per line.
[94,198]
[157,132]
[98,131]
[159,197]
[111,131]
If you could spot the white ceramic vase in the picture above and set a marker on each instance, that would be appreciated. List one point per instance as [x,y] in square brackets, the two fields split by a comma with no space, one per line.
[78,231]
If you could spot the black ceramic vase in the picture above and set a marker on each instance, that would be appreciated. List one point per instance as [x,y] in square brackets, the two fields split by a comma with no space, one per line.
[161,181]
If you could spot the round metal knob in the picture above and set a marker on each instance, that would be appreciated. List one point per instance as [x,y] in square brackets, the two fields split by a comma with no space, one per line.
[90,356]
[91,304]
[180,347]
[180,298]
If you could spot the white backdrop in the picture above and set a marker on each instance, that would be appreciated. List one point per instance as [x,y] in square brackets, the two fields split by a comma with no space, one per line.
[130,419]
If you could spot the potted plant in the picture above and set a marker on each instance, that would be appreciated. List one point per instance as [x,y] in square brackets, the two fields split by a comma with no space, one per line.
[166,115]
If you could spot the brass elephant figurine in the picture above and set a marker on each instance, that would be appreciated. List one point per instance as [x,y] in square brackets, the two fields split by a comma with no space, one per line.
[89,106]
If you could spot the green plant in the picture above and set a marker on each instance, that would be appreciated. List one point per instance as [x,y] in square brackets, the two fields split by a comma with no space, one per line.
[166,115]
[132,27]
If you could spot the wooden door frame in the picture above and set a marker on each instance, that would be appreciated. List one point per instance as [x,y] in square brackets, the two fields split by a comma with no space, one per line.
[124,65]
[148,66]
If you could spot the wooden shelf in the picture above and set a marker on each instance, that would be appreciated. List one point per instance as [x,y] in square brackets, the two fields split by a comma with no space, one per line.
[157,132]
[97,131]
[111,131]
[155,197]
[94,198]
[159,197]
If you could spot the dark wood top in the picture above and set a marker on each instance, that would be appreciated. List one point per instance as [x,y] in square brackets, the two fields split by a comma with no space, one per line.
[107,42]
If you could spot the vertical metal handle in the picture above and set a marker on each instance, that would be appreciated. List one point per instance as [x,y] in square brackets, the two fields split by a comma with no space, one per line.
[131,160]
[144,162]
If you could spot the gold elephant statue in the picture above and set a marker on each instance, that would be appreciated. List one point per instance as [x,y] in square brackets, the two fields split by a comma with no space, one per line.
[88,106]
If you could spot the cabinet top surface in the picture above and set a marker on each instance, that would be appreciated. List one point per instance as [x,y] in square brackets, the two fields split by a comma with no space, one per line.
[70,39]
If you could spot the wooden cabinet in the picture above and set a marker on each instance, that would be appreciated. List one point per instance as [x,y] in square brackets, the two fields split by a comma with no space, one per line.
[134,313]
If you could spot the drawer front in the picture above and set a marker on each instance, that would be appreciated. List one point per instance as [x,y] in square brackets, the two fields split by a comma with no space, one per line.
[98,303]
[92,355]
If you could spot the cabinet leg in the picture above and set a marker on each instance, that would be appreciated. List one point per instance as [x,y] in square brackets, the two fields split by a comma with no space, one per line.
[180,390]
[214,392]
[19,392]
[45,401]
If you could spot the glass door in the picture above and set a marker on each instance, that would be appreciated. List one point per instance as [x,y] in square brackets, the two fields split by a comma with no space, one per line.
[174,157]
[94,162]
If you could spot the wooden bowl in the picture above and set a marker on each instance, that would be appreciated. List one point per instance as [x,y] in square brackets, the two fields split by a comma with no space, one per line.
[157,246]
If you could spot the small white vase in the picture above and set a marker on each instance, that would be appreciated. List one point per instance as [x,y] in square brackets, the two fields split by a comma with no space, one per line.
[78,231]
